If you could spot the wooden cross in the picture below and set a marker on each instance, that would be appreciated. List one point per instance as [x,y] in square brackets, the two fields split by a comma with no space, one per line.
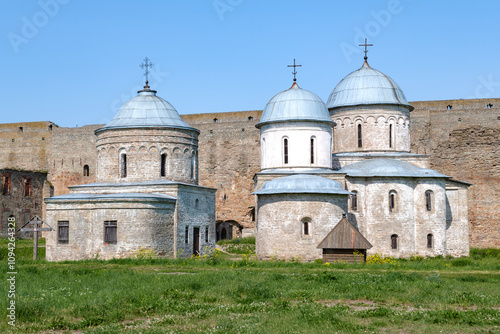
[145,65]
[294,69]
[366,49]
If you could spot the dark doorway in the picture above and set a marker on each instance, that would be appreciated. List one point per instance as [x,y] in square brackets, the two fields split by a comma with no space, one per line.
[196,240]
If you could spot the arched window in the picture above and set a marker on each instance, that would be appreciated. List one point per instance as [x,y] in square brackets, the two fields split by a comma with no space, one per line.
[285,151]
[390,135]
[163,164]
[392,200]
[193,164]
[86,170]
[312,150]
[430,241]
[354,200]
[360,136]
[428,200]
[394,241]
[306,226]
[123,165]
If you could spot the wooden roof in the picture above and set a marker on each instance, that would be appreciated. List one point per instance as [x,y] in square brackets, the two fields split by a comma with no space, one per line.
[345,236]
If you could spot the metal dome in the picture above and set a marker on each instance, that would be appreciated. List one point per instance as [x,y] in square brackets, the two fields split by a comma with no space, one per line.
[147,110]
[295,104]
[367,86]
[388,168]
[301,183]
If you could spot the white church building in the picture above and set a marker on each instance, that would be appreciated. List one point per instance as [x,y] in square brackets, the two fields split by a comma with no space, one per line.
[388,194]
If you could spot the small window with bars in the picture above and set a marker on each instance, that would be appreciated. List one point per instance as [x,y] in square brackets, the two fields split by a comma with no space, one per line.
[63,232]
[110,229]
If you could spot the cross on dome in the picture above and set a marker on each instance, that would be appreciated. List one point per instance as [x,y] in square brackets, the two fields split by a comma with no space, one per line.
[366,48]
[147,65]
[294,69]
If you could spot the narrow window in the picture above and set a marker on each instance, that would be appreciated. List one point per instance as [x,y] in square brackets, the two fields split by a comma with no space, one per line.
[490,105]
[285,150]
[123,165]
[63,232]
[354,200]
[215,120]
[20,129]
[50,127]
[193,159]
[306,228]
[206,234]
[390,135]
[394,241]
[392,200]
[196,203]
[110,227]
[312,150]
[163,165]
[428,200]
[449,107]
[27,187]
[250,118]
[430,241]
[186,235]
[86,170]
[6,185]
[360,136]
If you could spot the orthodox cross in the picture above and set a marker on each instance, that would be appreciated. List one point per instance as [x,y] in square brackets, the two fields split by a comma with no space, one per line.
[366,49]
[294,69]
[145,65]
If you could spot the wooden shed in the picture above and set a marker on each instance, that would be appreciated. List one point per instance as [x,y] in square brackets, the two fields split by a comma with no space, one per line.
[344,243]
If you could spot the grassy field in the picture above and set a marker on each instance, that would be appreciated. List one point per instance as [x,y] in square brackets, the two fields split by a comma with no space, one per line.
[216,295]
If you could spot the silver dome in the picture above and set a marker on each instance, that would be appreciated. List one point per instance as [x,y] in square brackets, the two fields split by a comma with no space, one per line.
[301,183]
[388,168]
[367,86]
[295,104]
[144,111]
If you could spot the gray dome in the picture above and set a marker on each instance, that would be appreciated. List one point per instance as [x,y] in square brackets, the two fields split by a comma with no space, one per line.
[388,168]
[147,110]
[364,87]
[301,183]
[295,104]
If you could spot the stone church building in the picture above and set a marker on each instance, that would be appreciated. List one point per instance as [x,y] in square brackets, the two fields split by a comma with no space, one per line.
[146,195]
[389,194]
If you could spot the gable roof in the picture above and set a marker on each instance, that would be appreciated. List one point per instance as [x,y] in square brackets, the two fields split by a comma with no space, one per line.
[345,236]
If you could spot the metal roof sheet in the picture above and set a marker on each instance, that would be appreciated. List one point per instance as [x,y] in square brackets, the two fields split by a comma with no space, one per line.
[301,183]
[388,168]
[367,86]
[295,104]
[146,110]
[120,196]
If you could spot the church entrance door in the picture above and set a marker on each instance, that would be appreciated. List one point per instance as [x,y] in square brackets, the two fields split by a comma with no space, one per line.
[196,240]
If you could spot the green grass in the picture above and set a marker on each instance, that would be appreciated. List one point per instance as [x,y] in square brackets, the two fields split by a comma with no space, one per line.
[24,248]
[237,241]
[247,296]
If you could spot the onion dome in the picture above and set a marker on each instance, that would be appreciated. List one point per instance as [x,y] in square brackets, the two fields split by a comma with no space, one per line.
[367,86]
[301,184]
[388,168]
[146,110]
[295,104]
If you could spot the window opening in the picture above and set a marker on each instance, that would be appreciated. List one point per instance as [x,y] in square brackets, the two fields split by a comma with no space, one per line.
[428,200]
[163,165]
[63,232]
[312,150]
[27,187]
[394,241]
[360,136]
[285,150]
[86,170]
[430,241]
[206,234]
[392,201]
[123,165]
[390,135]
[6,185]
[186,235]
[110,228]
[354,200]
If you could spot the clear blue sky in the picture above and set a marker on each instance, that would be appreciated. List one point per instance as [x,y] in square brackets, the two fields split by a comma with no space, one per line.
[74,62]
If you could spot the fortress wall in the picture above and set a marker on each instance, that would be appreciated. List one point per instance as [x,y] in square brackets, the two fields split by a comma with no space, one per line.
[72,148]
[229,156]
[464,142]
[25,146]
